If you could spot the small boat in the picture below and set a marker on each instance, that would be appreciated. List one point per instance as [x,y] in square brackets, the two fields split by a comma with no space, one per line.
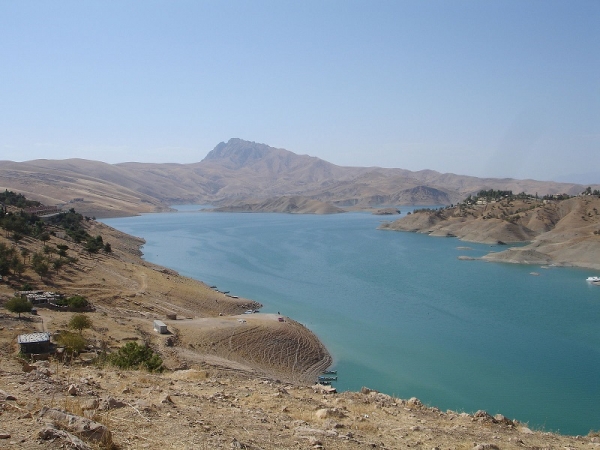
[593,279]
[322,378]
[325,383]
[330,372]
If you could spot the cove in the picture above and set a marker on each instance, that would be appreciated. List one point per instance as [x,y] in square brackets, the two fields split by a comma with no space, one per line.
[400,313]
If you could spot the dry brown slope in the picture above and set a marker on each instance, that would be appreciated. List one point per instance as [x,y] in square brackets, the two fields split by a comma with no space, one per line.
[561,232]
[214,409]
[129,294]
[291,205]
[241,169]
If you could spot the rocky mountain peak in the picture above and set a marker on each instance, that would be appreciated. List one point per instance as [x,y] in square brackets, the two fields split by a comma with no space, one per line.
[237,153]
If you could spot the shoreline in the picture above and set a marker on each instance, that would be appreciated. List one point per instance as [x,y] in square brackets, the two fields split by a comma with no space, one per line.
[304,376]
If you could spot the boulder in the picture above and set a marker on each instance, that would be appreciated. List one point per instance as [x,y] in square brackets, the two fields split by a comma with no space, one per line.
[85,428]
[68,440]
[327,413]
[414,401]
[4,396]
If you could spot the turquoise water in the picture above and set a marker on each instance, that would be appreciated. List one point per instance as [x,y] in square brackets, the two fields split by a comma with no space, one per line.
[400,313]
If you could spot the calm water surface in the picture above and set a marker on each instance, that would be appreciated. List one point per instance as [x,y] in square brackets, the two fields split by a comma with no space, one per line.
[400,313]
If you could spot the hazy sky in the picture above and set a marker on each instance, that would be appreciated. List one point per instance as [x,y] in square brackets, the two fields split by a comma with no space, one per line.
[485,88]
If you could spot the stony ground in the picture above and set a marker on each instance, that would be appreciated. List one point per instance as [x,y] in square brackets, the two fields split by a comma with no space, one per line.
[214,408]
[232,381]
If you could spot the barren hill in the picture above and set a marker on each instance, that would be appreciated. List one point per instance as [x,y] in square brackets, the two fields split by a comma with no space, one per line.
[563,232]
[292,205]
[239,170]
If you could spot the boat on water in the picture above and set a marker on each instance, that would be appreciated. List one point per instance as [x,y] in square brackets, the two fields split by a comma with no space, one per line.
[330,372]
[593,279]
[322,378]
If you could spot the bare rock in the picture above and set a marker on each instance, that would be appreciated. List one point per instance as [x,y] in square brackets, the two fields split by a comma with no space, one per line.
[166,399]
[322,389]
[486,447]
[112,403]
[67,439]
[503,420]
[90,404]
[86,428]
[4,436]
[327,413]
[483,416]
[72,390]
[4,396]
[414,401]
[366,390]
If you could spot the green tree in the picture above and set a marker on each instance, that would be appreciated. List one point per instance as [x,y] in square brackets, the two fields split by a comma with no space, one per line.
[72,342]
[77,301]
[18,305]
[80,322]
[41,268]
[135,356]
[25,253]
[57,264]
[62,250]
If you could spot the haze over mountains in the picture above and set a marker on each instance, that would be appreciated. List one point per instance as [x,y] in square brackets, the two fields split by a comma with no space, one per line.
[242,172]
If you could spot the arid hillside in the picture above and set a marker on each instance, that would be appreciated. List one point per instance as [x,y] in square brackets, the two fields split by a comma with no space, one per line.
[565,232]
[238,171]
[128,294]
[233,378]
[292,205]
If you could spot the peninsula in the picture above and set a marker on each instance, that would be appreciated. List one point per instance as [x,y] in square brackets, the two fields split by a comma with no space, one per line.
[559,229]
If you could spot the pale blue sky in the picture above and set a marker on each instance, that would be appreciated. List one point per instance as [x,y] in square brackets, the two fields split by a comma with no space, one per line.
[485,88]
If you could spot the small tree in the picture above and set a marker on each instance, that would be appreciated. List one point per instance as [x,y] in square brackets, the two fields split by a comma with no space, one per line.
[77,301]
[72,342]
[25,253]
[135,356]
[80,322]
[18,305]
[41,268]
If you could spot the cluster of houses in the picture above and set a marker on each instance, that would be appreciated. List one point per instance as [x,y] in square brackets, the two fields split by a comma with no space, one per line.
[40,297]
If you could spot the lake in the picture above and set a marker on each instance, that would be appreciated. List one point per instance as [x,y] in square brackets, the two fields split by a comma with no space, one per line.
[400,313]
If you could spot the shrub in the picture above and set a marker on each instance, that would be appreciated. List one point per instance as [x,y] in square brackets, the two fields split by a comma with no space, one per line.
[18,305]
[79,322]
[135,356]
[77,301]
[72,342]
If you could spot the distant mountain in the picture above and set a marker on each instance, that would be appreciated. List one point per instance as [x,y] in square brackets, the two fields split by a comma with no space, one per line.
[238,170]
[291,205]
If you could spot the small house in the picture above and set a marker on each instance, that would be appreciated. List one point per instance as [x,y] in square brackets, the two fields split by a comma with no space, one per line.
[34,343]
[160,327]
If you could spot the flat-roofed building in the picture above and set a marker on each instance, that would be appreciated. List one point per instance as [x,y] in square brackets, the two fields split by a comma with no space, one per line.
[34,342]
